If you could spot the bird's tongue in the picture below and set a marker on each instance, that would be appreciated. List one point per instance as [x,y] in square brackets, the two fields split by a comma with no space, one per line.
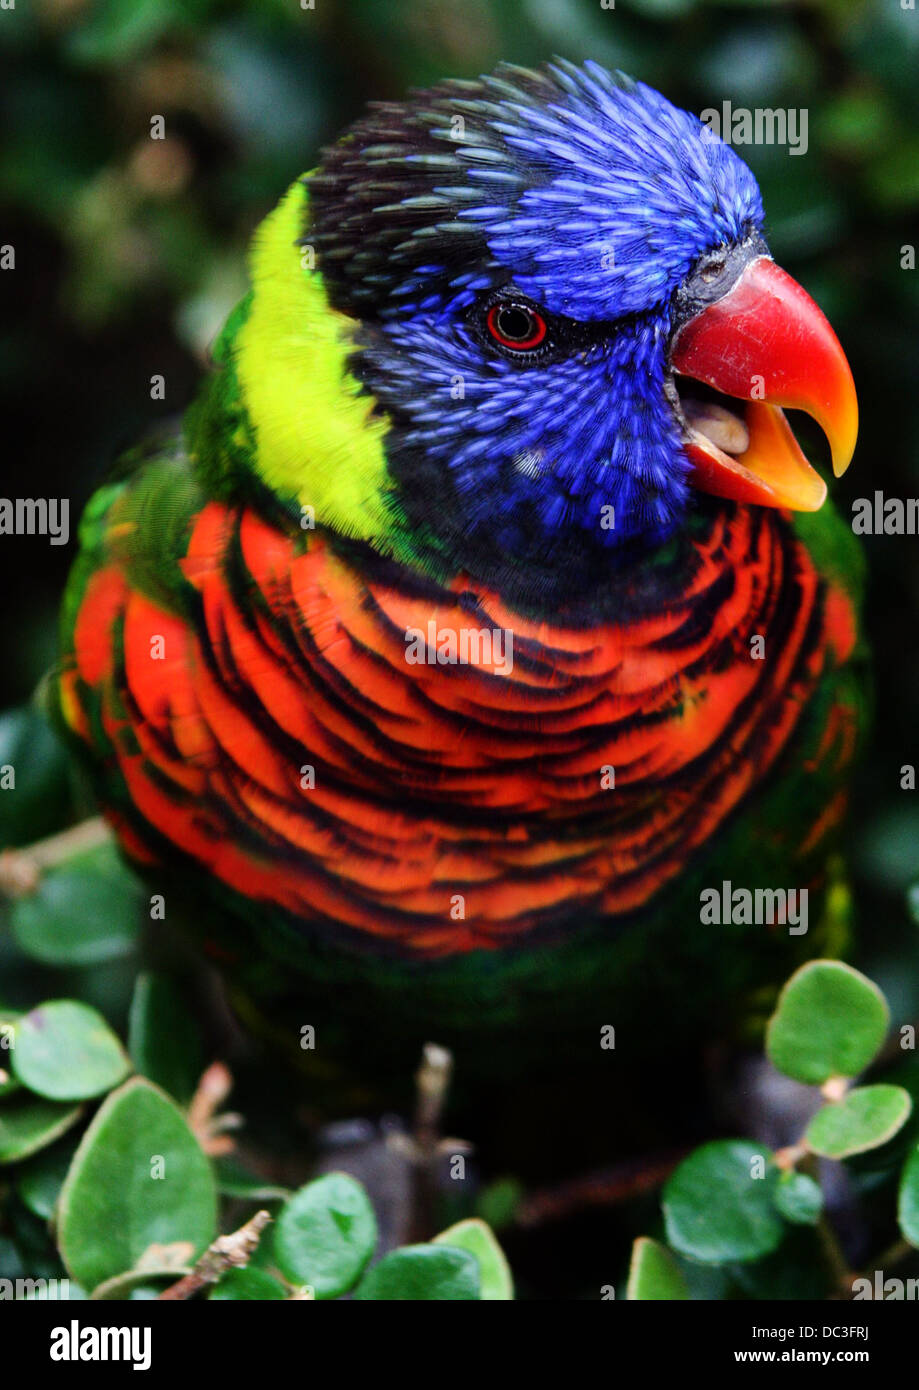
[767,344]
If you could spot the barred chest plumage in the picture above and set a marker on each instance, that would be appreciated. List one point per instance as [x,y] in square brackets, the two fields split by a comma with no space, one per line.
[426,769]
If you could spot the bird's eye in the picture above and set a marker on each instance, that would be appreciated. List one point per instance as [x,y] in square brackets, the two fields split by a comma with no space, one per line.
[714,268]
[516,326]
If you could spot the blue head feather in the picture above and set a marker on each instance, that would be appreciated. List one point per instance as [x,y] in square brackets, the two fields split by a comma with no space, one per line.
[592,196]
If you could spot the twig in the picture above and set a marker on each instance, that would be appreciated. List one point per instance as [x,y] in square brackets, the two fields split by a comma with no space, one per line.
[607,1187]
[424,1146]
[226,1253]
[806,1160]
[894,1254]
[433,1082]
[208,1127]
[21,869]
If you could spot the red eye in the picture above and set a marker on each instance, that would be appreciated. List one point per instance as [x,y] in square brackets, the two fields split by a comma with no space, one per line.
[516,326]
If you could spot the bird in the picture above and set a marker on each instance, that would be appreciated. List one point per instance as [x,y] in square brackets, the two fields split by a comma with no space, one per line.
[484,619]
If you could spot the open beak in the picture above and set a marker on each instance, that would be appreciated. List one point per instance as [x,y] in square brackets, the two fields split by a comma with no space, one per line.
[764,343]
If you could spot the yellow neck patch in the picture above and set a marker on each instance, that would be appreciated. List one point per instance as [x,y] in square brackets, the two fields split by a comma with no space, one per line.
[316,438]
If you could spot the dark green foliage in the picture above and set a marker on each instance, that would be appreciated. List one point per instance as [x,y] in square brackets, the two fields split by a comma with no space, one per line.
[129,1207]
[736,1205]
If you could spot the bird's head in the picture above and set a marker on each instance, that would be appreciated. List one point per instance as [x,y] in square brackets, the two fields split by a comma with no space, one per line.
[553,290]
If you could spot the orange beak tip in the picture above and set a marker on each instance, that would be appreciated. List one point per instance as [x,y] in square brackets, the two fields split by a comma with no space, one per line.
[843,448]
[766,329]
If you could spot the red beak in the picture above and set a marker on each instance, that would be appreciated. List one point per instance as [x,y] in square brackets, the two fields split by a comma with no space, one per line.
[767,343]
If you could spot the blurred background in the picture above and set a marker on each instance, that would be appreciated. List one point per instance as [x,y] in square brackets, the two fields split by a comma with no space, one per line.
[130,252]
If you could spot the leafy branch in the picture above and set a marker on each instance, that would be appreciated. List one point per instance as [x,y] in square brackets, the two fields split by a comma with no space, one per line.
[733,1203]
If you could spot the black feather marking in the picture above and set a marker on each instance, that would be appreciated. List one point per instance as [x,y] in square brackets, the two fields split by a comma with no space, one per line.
[385,200]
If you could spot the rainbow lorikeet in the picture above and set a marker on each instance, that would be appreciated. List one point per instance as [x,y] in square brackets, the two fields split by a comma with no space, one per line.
[485,615]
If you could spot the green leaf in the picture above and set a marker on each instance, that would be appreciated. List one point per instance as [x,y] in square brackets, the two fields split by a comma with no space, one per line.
[497,1203]
[422,1273]
[33,1241]
[84,912]
[864,1119]
[325,1235]
[893,178]
[119,30]
[39,802]
[654,1274]
[39,1182]
[796,1271]
[908,1200]
[138,1179]
[799,1199]
[247,1284]
[28,1124]
[715,1210]
[856,122]
[234,1181]
[479,1239]
[65,1050]
[830,1021]
[162,1037]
